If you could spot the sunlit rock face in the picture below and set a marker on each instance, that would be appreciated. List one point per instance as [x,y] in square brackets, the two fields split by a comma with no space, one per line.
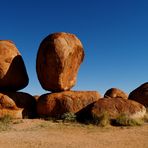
[117,106]
[24,101]
[56,104]
[58,61]
[13,75]
[115,93]
[8,107]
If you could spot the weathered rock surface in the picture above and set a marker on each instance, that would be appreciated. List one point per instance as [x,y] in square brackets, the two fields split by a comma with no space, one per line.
[13,75]
[8,107]
[115,93]
[140,94]
[24,101]
[116,106]
[56,104]
[58,60]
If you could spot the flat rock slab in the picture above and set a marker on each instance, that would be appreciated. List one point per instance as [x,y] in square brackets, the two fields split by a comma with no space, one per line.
[56,104]
[140,94]
[117,106]
[13,75]
[58,61]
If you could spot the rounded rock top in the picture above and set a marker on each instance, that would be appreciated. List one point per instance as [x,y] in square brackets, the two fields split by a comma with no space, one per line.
[13,74]
[58,61]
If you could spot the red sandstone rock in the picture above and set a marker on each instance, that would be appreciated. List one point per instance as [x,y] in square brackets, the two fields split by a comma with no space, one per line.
[115,93]
[13,75]
[8,107]
[24,101]
[117,106]
[56,104]
[58,60]
[140,94]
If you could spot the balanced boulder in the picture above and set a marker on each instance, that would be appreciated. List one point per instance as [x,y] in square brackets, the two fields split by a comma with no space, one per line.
[56,104]
[8,107]
[13,75]
[115,93]
[58,60]
[117,106]
[140,94]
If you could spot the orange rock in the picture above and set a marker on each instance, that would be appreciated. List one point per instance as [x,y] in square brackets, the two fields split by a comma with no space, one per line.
[24,101]
[56,104]
[116,106]
[58,60]
[13,75]
[115,93]
[8,107]
[140,94]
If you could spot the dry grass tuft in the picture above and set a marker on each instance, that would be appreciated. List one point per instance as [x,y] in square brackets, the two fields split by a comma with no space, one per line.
[124,120]
[5,122]
[146,116]
[103,120]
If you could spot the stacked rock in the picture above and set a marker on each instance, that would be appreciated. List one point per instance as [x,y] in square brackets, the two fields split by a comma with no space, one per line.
[57,64]
[13,77]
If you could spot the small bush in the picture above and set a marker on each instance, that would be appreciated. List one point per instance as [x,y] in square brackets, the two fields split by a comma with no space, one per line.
[146,116]
[103,120]
[68,117]
[124,120]
[5,122]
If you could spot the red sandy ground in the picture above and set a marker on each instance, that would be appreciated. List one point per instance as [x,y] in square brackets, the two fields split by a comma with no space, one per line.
[46,134]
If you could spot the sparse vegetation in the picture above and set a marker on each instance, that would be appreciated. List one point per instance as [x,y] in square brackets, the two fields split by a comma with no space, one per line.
[124,120]
[103,120]
[5,122]
[69,117]
[146,116]
[17,121]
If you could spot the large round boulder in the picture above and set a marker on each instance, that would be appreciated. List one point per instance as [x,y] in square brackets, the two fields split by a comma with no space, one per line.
[8,107]
[56,104]
[13,75]
[140,94]
[24,101]
[115,93]
[117,106]
[58,60]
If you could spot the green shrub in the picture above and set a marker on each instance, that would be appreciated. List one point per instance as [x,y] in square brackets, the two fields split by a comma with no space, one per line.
[68,117]
[124,120]
[102,120]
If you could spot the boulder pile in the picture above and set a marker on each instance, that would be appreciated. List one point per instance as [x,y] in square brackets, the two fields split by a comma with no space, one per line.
[58,60]
[57,64]
[13,77]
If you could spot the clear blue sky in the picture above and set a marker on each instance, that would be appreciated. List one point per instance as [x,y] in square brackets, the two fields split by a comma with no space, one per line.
[114,34]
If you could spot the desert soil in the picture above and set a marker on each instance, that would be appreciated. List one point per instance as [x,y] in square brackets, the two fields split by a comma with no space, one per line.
[46,134]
